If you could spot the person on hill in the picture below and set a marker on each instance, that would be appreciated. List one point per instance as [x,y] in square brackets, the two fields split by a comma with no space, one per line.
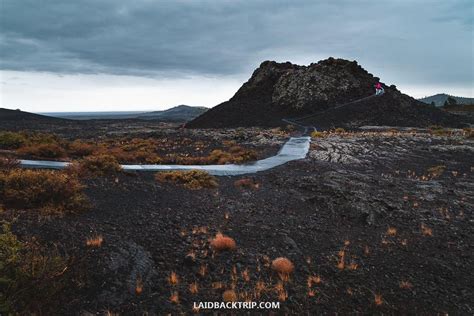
[379,89]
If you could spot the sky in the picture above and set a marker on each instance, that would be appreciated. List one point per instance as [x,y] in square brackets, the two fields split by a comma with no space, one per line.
[113,55]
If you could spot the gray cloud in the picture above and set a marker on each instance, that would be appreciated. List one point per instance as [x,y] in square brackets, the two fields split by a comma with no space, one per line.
[426,41]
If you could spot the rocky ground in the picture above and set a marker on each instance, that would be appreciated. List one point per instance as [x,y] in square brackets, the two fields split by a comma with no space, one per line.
[376,222]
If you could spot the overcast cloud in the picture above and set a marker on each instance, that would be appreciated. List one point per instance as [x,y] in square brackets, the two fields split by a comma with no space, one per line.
[414,44]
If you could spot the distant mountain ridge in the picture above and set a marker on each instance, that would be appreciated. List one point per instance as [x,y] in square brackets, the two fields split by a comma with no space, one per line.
[180,113]
[440,98]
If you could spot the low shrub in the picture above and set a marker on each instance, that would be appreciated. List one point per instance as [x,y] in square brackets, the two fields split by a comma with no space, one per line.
[7,163]
[236,154]
[222,242]
[30,275]
[290,128]
[339,130]
[317,134]
[229,143]
[11,140]
[51,192]
[191,179]
[434,127]
[439,131]
[246,183]
[437,171]
[81,149]
[137,156]
[468,132]
[219,157]
[43,151]
[99,165]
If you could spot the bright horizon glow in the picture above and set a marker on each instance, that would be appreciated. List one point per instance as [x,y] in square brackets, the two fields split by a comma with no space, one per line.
[47,92]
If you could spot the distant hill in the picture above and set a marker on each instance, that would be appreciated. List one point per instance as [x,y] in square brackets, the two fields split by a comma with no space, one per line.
[284,90]
[180,113]
[440,98]
[7,115]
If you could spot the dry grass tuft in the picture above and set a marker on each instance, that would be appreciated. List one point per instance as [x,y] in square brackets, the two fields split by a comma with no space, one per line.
[391,231]
[95,241]
[352,266]
[139,286]
[229,296]
[203,270]
[313,279]
[246,275]
[341,262]
[283,266]
[193,288]
[173,278]
[405,285]
[281,292]
[192,179]
[222,242]
[426,231]
[174,298]
[378,299]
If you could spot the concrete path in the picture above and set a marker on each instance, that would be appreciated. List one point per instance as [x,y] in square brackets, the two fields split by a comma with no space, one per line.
[294,149]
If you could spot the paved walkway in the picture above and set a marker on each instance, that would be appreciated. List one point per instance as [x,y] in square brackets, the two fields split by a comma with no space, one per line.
[294,149]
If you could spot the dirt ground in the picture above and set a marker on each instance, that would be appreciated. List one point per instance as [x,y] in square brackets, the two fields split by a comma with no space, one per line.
[374,222]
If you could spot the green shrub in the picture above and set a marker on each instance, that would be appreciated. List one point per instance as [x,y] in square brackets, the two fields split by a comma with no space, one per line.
[192,179]
[30,275]
[11,140]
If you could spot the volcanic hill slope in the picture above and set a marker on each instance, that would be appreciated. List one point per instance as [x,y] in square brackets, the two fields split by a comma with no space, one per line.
[7,115]
[281,90]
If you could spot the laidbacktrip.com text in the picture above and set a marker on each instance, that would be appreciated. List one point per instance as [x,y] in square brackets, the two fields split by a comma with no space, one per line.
[236,305]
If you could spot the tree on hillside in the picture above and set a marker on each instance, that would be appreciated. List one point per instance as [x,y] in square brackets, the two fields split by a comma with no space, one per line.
[450,102]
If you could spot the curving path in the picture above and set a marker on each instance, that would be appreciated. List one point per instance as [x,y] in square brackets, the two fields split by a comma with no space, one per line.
[294,149]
